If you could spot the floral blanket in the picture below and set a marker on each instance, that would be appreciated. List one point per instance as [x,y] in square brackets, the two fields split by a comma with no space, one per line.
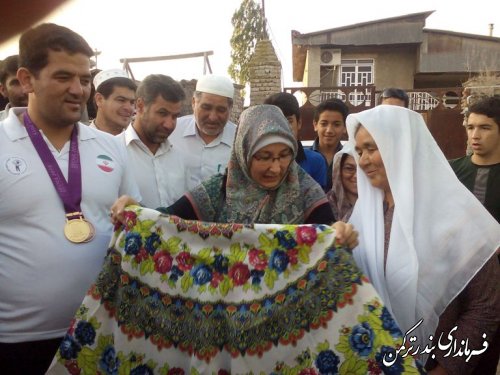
[187,297]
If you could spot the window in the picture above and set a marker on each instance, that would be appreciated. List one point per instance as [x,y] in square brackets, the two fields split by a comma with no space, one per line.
[357,72]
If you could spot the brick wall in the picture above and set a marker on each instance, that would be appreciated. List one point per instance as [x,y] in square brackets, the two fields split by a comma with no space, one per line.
[265,72]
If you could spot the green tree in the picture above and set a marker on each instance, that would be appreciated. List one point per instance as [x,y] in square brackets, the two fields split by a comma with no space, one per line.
[249,27]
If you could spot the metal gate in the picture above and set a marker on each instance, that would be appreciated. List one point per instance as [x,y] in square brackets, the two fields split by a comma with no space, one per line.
[440,108]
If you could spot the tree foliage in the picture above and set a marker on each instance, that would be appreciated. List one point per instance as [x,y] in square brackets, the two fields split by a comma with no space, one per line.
[249,28]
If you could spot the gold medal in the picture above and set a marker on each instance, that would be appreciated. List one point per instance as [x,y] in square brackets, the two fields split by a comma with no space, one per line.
[79,230]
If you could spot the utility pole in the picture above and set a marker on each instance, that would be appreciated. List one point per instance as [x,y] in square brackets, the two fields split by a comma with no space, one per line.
[263,11]
[96,53]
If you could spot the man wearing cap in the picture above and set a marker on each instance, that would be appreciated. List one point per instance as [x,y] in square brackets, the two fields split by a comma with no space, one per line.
[157,166]
[115,101]
[206,137]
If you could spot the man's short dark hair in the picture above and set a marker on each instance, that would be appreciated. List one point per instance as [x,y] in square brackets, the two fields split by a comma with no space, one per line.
[335,105]
[106,88]
[35,44]
[159,84]
[285,101]
[393,92]
[487,106]
[8,67]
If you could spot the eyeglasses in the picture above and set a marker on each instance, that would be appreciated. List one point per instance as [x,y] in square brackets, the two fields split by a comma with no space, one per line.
[269,159]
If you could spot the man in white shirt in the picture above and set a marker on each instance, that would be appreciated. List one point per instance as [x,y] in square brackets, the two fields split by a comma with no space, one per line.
[206,137]
[157,165]
[115,101]
[58,180]
[10,87]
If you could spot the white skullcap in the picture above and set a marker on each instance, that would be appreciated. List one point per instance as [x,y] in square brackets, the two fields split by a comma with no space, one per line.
[103,76]
[217,85]
[269,140]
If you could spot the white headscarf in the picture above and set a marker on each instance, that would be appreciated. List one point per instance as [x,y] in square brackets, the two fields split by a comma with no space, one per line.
[441,235]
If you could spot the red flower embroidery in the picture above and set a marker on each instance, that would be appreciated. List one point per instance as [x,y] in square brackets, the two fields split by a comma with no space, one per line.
[141,255]
[258,259]
[308,371]
[175,371]
[184,261]
[72,367]
[163,262]
[216,279]
[130,219]
[239,273]
[293,256]
[306,235]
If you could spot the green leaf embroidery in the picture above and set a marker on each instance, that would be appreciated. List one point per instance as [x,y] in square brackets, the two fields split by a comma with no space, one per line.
[204,256]
[303,255]
[236,254]
[323,346]
[151,364]
[172,245]
[87,360]
[270,276]
[267,244]
[164,369]
[354,365]
[171,283]
[147,266]
[186,282]
[343,345]
[224,286]
[145,226]
[95,323]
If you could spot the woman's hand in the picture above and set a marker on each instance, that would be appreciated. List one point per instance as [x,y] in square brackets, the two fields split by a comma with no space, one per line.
[118,207]
[345,234]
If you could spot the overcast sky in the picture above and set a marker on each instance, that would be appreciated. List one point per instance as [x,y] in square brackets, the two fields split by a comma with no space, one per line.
[126,28]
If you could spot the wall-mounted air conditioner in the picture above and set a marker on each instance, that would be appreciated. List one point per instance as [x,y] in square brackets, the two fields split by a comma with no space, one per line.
[330,57]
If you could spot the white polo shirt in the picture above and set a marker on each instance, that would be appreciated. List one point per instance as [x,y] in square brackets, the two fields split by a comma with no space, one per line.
[161,177]
[202,160]
[43,276]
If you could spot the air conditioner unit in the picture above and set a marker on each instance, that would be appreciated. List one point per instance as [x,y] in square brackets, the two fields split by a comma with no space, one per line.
[330,57]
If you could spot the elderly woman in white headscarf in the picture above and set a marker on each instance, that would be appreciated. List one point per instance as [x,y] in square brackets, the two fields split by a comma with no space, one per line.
[426,243]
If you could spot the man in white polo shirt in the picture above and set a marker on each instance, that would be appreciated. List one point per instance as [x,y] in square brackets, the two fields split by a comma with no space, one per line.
[158,167]
[206,137]
[58,180]
[115,101]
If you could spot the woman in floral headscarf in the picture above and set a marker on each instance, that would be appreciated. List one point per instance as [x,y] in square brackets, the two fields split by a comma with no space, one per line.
[263,184]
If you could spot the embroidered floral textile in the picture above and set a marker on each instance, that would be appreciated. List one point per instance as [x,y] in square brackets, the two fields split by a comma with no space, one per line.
[186,297]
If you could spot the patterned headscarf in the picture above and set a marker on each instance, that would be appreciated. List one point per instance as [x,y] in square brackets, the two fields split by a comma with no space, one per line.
[341,206]
[246,201]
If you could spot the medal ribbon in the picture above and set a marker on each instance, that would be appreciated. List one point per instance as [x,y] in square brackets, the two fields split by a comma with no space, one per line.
[70,191]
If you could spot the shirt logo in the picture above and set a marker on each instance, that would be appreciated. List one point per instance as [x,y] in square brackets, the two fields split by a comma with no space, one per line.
[105,163]
[16,165]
